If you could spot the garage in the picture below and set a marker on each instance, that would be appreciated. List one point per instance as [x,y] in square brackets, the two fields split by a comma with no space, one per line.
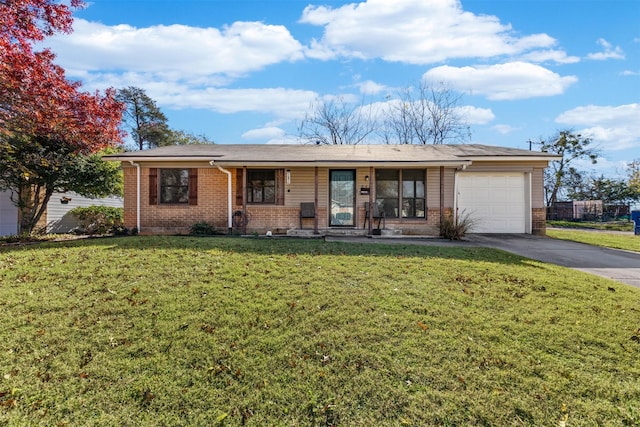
[498,202]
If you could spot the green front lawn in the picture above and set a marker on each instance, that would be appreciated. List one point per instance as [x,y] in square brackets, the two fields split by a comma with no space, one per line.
[627,242]
[231,331]
[598,225]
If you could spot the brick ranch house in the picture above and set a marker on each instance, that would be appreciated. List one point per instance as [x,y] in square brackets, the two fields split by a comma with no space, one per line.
[407,189]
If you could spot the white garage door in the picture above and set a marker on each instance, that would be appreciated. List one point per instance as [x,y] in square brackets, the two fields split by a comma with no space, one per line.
[8,215]
[496,201]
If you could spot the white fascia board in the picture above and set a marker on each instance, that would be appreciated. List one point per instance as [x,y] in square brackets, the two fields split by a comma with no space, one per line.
[347,163]
[155,159]
[313,163]
[515,158]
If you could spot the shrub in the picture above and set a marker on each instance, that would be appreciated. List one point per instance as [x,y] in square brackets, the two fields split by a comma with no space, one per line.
[202,228]
[456,227]
[99,219]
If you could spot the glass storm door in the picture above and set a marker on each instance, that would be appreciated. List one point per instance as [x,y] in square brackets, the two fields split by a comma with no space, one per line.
[342,193]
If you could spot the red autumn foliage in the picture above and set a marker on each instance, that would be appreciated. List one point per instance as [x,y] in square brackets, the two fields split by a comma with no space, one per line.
[36,99]
[32,20]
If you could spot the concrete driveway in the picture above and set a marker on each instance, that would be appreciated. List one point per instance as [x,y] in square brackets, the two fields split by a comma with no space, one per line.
[623,266]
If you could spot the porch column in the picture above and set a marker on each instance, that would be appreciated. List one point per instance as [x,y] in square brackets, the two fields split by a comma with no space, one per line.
[315,200]
[368,214]
[441,195]
[244,200]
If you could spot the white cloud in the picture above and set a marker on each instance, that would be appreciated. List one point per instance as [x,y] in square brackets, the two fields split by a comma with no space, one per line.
[514,80]
[285,139]
[609,52]
[549,55]
[175,51]
[269,132]
[504,129]
[415,32]
[603,166]
[371,88]
[614,128]
[283,103]
[475,115]
[185,67]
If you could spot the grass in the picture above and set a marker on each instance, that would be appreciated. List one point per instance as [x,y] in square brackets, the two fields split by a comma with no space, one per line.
[35,238]
[222,331]
[627,242]
[610,225]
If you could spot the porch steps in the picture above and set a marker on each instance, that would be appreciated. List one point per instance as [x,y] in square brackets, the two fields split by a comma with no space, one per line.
[346,232]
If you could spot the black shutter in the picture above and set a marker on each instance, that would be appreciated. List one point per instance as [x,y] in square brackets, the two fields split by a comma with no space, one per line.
[239,185]
[193,186]
[153,186]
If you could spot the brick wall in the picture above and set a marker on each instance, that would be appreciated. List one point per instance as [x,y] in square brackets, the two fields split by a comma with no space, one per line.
[212,208]
[279,219]
[130,197]
[539,221]
[159,219]
[425,227]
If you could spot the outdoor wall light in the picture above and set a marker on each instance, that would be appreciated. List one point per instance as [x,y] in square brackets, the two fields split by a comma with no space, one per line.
[366,178]
[288,175]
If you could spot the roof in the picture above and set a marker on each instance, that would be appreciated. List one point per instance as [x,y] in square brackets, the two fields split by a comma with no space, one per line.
[317,155]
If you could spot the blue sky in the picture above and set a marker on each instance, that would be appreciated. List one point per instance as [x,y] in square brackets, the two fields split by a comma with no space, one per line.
[246,71]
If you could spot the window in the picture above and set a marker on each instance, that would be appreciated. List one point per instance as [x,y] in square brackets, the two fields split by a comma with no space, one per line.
[261,186]
[387,191]
[406,200]
[264,186]
[175,186]
[413,194]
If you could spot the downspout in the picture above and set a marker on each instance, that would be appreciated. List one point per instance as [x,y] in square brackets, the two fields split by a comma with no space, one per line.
[455,192]
[229,195]
[137,165]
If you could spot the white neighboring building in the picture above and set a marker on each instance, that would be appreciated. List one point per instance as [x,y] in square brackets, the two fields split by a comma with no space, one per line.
[59,220]
[8,215]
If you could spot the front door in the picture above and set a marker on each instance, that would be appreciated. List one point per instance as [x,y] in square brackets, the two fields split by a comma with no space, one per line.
[342,196]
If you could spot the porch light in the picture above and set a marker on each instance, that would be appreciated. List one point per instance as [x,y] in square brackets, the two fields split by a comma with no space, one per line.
[288,174]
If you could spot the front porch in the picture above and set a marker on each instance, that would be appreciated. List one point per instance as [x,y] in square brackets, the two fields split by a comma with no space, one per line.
[347,232]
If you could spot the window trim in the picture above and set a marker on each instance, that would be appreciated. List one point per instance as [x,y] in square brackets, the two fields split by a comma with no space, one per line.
[400,191]
[155,187]
[278,188]
[414,198]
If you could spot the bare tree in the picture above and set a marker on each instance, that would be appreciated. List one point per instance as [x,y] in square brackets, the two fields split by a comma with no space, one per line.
[426,114]
[396,123]
[337,122]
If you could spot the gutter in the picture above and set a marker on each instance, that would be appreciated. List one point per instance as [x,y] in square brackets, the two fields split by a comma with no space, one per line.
[541,157]
[229,195]
[137,194]
[295,163]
